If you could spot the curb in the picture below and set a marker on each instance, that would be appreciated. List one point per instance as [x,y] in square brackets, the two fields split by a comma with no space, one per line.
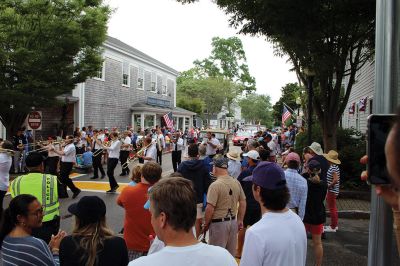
[352,214]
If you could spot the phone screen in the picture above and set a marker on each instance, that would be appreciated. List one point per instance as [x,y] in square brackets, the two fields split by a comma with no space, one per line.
[378,129]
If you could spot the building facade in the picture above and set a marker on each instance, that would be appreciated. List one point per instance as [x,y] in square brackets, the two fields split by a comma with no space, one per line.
[131,89]
[359,106]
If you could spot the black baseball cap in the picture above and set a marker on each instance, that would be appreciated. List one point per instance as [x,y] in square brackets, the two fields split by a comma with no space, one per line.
[89,209]
[34,159]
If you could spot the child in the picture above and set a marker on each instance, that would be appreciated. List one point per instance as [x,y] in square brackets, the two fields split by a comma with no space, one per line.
[136,175]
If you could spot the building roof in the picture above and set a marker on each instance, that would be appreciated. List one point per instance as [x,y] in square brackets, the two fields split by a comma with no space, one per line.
[140,107]
[129,49]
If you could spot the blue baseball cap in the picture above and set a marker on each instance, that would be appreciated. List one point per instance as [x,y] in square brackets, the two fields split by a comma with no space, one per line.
[268,175]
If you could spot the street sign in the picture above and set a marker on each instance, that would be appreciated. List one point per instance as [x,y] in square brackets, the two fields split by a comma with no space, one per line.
[35,120]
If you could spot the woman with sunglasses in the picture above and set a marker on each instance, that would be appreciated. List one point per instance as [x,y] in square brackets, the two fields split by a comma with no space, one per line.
[18,247]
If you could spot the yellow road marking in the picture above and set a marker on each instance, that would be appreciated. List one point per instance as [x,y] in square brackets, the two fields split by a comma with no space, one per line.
[97,186]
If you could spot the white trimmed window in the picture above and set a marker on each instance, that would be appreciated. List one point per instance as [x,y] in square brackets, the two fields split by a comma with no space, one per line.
[164,86]
[101,72]
[125,74]
[153,87]
[140,79]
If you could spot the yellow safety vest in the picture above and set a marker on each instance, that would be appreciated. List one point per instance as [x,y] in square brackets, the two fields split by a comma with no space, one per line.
[43,187]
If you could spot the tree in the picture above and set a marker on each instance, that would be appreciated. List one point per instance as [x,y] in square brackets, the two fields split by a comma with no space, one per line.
[257,108]
[333,38]
[228,61]
[290,93]
[46,47]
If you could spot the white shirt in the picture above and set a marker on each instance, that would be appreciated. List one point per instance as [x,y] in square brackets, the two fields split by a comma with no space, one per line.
[128,141]
[5,165]
[151,152]
[180,144]
[210,150]
[83,138]
[234,168]
[161,140]
[114,149]
[69,154]
[195,255]
[286,244]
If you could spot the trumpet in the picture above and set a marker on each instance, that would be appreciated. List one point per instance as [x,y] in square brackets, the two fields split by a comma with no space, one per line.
[136,156]
[42,149]
[8,151]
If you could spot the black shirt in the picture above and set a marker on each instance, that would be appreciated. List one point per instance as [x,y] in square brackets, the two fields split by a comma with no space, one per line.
[324,166]
[113,253]
[247,186]
[315,208]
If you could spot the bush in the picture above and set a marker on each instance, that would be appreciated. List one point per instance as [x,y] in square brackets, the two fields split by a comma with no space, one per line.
[351,146]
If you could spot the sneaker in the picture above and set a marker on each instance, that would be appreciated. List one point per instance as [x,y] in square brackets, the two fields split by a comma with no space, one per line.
[103,176]
[76,194]
[329,229]
[94,177]
[122,174]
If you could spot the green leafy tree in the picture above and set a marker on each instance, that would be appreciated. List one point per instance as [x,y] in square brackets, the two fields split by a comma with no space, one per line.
[290,93]
[257,108]
[46,47]
[333,38]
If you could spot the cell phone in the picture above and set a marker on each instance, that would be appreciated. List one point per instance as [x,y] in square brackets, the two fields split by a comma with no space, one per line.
[379,127]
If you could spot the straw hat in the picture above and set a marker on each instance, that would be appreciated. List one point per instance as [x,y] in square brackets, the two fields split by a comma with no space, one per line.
[233,156]
[332,156]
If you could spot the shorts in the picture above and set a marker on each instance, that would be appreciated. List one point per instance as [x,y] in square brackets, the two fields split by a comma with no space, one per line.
[200,213]
[251,217]
[314,229]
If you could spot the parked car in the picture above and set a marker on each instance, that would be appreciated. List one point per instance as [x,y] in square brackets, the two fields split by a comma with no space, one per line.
[240,137]
[220,134]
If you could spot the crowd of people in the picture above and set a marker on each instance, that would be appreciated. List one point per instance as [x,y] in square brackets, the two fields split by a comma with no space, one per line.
[257,205]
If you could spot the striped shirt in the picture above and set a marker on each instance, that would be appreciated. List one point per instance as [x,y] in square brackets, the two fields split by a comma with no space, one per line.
[333,169]
[24,251]
[298,189]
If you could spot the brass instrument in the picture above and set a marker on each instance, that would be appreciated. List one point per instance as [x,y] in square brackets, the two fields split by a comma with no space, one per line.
[46,143]
[136,156]
[8,151]
[100,151]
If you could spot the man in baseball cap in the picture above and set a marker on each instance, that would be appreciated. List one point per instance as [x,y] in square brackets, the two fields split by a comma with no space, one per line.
[283,227]
[223,218]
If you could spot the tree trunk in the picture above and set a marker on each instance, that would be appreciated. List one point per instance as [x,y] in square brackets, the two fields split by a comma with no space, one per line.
[329,130]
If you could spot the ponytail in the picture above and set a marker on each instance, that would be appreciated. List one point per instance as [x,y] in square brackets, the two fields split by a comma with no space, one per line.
[7,225]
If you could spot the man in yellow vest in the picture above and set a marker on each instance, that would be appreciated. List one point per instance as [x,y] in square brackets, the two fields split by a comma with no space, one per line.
[44,188]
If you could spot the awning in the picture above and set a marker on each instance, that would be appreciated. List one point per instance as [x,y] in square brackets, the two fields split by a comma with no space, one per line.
[69,98]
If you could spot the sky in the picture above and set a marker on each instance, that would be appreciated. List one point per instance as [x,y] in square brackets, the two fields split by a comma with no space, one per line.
[177,34]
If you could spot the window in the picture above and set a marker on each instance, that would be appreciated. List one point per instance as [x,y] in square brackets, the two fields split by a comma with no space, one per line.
[164,86]
[100,72]
[137,121]
[125,74]
[153,82]
[140,79]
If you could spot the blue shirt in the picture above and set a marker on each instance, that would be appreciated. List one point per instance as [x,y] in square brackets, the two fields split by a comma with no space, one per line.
[87,158]
[298,189]
[27,251]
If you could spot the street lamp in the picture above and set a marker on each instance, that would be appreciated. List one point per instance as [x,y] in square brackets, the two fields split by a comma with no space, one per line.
[310,77]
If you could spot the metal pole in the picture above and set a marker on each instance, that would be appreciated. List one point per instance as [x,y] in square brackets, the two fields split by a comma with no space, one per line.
[385,101]
[309,107]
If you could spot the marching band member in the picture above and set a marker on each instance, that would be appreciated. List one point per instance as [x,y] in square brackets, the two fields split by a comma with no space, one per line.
[97,153]
[160,144]
[124,153]
[5,165]
[52,157]
[112,162]
[150,154]
[68,159]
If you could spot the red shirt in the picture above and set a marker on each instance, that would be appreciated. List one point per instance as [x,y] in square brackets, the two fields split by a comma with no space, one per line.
[137,225]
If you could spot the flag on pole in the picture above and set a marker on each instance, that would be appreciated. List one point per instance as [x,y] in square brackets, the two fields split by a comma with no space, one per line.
[285,115]
[352,108]
[168,120]
[362,104]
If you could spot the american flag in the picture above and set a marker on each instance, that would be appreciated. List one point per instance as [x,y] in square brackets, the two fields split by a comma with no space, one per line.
[362,104]
[168,120]
[285,115]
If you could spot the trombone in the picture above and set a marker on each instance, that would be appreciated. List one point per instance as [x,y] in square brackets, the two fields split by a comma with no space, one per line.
[100,151]
[136,156]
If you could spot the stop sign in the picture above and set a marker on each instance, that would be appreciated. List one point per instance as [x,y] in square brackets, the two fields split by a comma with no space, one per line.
[35,120]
